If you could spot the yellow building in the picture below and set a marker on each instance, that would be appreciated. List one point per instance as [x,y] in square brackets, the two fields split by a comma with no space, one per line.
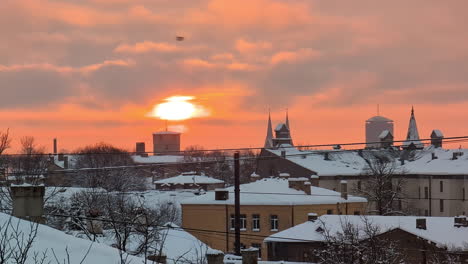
[268,206]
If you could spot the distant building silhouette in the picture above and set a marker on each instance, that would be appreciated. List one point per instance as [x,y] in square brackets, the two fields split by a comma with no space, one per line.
[166,141]
[282,134]
[374,128]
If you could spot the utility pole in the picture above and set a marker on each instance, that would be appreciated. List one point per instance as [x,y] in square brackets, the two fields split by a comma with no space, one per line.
[237,203]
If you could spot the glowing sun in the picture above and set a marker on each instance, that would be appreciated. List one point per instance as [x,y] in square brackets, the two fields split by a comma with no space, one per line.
[175,108]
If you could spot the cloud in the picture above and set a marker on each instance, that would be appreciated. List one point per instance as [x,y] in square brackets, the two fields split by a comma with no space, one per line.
[244,46]
[146,46]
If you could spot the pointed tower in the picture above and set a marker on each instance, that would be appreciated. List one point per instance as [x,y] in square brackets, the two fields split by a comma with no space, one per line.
[412,138]
[287,125]
[269,136]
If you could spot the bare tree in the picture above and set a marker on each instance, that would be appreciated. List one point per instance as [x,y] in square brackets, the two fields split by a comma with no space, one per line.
[109,167]
[382,185]
[5,141]
[356,244]
[31,165]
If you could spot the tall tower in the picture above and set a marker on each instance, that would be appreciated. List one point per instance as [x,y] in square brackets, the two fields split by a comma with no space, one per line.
[269,136]
[374,128]
[412,138]
[166,141]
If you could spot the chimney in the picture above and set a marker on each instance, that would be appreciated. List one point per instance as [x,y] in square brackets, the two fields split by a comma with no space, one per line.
[140,149]
[65,162]
[214,256]
[454,155]
[28,202]
[433,156]
[55,146]
[312,217]
[283,154]
[326,156]
[402,161]
[344,189]
[250,256]
[60,157]
[421,223]
[314,180]
[460,221]
[221,194]
[300,184]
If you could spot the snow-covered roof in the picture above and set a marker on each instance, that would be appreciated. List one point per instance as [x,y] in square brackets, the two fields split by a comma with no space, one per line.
[379,119]
[280,126]
[350,163]
[181,245]
[384,134]
[187,179]
[437,133]
[166,133]
[440,230]
[339,163]
[275,191]
[158,159]
[49,238]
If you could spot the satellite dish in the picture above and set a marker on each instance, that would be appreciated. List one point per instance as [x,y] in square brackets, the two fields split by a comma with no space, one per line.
[180,38]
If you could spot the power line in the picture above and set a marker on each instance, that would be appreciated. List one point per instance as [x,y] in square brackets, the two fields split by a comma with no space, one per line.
[445,140]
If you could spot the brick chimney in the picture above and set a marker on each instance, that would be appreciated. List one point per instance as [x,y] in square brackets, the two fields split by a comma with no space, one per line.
[314,180]
[214,256]
[312,217]
[300,184]
[250,256]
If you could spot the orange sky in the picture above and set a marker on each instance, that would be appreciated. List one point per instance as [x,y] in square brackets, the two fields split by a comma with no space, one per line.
[89,71]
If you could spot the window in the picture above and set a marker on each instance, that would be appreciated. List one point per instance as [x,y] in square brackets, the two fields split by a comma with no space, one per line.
[426,193]
[256,222]
[330,211]
[274,222]
[441,186]
[441,205]
[419,192]
[259,246]
[243,222]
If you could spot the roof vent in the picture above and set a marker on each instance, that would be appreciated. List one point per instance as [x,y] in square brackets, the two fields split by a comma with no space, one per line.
[460,221]
[283,154]
[421,223]
[221,194]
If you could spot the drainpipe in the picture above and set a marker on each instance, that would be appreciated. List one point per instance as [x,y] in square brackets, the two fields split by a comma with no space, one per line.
[430,195]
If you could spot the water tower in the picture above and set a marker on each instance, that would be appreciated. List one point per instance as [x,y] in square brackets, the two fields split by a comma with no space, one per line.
[166,141]
[374,127]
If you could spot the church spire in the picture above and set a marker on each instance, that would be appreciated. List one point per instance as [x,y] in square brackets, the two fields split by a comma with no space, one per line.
[269,136]
[412,137]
